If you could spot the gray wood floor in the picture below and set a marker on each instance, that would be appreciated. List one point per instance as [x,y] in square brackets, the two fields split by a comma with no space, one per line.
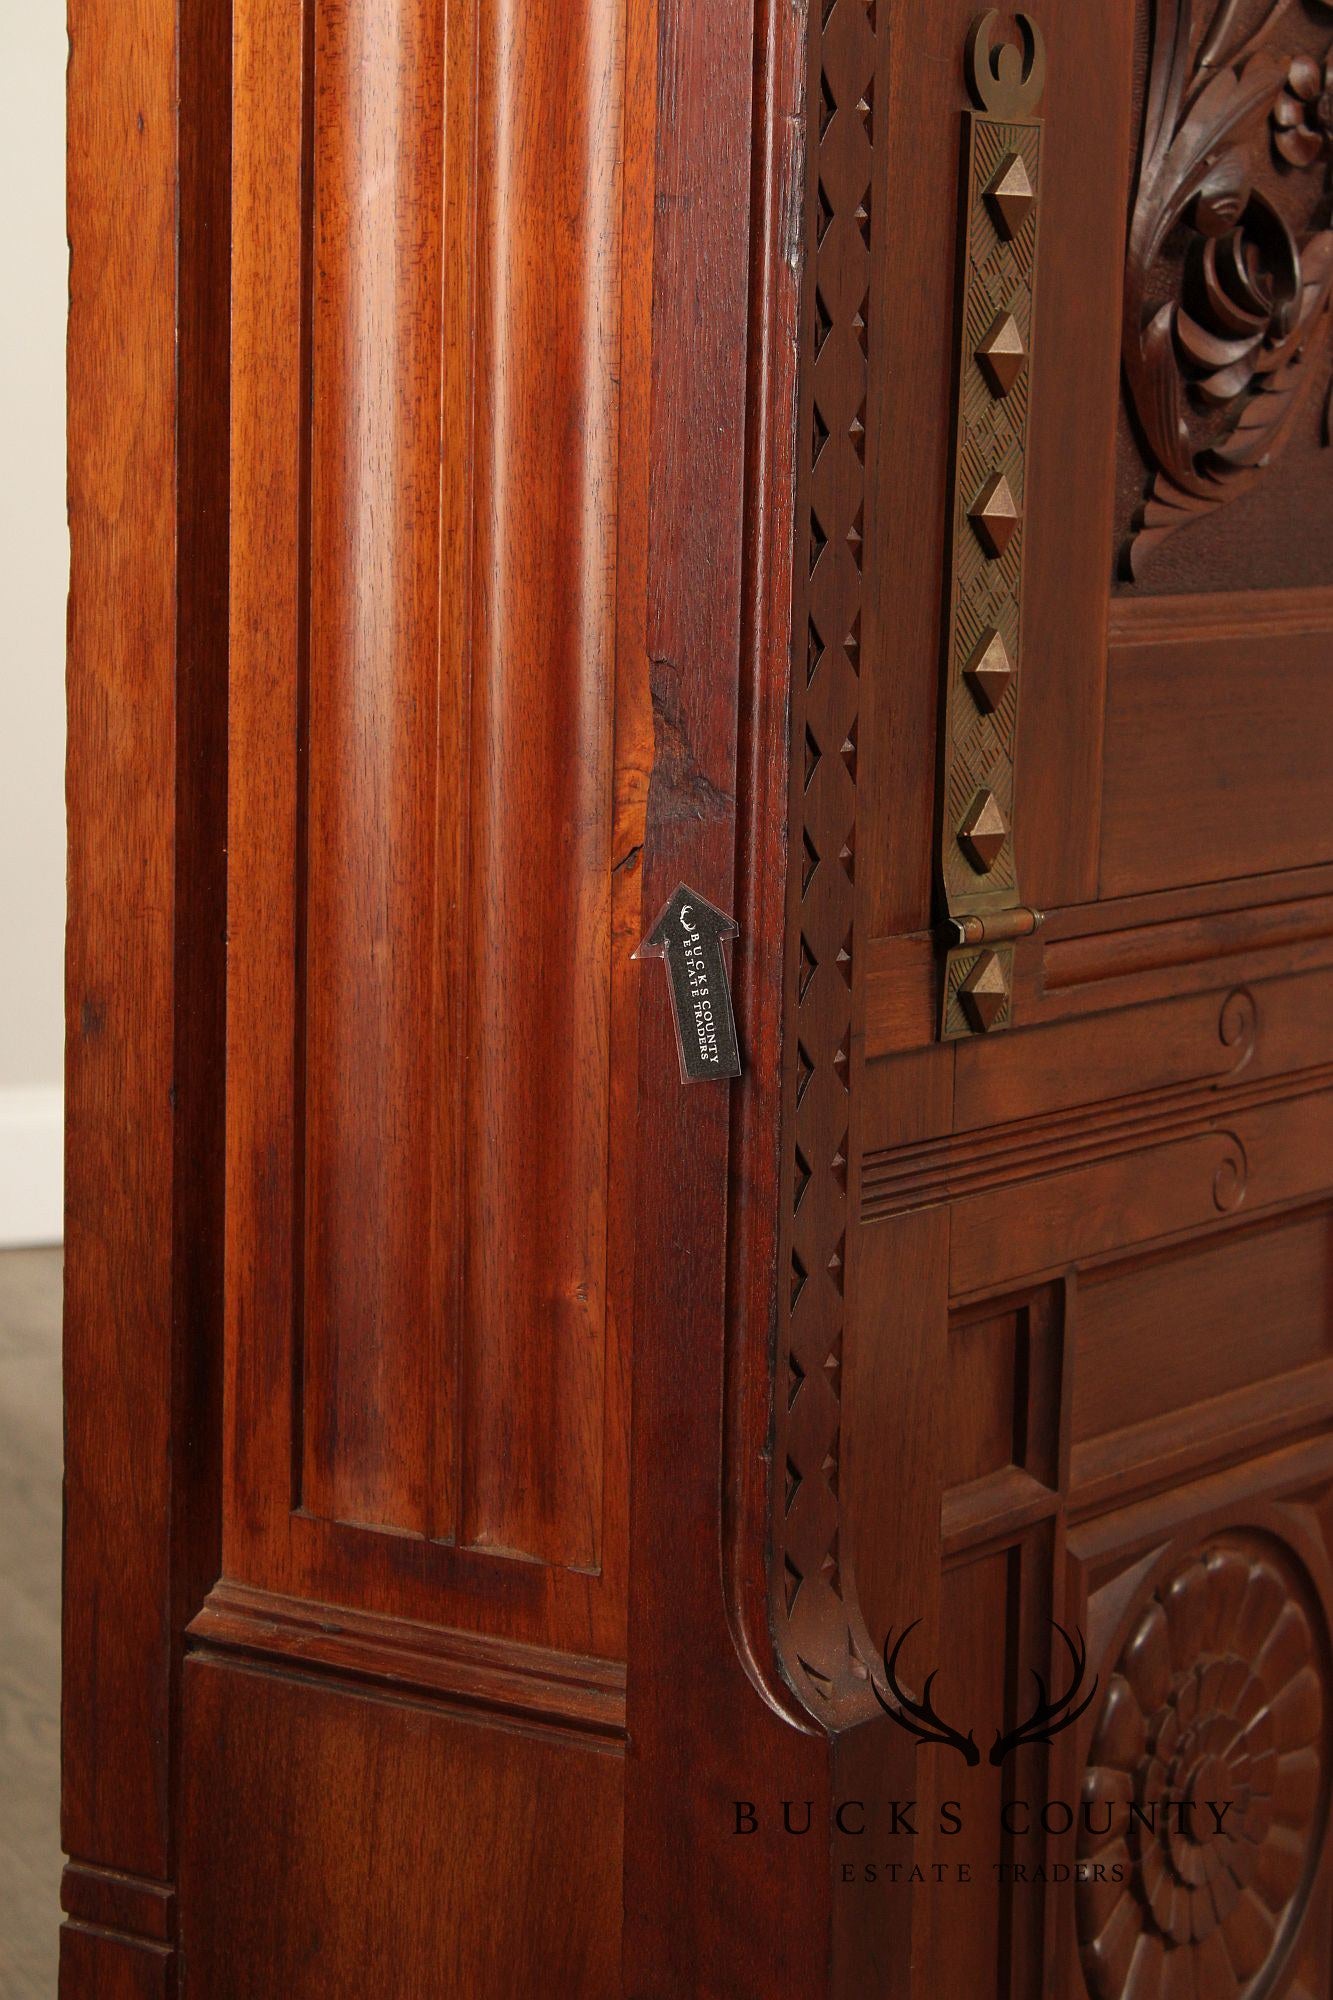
[30,1441]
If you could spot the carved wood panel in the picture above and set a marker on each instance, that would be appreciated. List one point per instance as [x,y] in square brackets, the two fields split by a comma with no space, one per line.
[1219,1693]
[1229,265]
[1208,1614]
[1081,1270]
[828,663]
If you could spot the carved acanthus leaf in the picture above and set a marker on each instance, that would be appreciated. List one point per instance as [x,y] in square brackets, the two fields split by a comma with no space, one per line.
[1220,370]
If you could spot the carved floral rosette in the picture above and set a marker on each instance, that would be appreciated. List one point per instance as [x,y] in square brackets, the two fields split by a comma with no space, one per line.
[1219,1698]
[1234,162]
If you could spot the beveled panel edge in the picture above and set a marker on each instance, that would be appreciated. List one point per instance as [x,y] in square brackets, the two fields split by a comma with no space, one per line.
[1208,617]
[993,1512]
[513,1681]
[1161,1451]
[1143,1522]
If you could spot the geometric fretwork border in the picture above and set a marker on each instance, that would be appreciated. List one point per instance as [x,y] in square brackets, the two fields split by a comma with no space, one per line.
[810,1618]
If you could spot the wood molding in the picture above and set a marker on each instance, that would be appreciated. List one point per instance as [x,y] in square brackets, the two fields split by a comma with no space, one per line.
[1123,952]
[993,1511]
[1214,615]
[1141,1525]
[530,1683]
[1146,1457]
[106,1899]
[148,145]
[1032,1149]
[1213,941]
[817,1626]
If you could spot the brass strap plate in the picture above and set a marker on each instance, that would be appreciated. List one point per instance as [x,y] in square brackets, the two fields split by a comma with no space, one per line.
[978,870]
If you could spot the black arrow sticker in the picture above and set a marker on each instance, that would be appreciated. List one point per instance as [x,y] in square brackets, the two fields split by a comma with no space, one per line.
[689,935]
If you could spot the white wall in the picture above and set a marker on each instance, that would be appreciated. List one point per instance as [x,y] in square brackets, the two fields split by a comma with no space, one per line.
[33,576]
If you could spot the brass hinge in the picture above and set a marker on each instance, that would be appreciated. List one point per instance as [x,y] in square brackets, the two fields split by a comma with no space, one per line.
[979,969]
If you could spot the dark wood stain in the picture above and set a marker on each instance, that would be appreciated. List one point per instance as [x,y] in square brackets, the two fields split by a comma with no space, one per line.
[510,476]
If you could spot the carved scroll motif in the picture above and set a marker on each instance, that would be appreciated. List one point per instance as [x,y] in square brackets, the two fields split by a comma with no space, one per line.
[1223,348]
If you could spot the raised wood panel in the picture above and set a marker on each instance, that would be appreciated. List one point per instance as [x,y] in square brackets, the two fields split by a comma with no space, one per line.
[94,1961]
[1005,1395]
[374,755]
[457,1004]
[1219,752]
[306,1846]
[439,743]
[1246,1309]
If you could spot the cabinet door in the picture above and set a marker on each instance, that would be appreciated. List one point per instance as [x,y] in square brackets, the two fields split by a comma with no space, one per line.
[1054,1387]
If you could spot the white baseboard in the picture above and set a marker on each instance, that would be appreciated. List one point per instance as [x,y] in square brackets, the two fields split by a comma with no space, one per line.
[32,1166]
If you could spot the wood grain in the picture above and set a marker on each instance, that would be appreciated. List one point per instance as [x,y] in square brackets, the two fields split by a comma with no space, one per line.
[434,595]
[149,94]
[119,1189]
[700,1664]
[545,515]
[579,360]
[412,1903]
[1210,1297]
[372,766]
[1235,783]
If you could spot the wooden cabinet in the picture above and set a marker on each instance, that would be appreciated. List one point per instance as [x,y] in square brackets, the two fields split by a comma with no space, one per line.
[535,1525]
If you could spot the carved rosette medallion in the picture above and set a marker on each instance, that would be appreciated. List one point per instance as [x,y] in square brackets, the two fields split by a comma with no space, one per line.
[1218,1701]
[1229,270]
